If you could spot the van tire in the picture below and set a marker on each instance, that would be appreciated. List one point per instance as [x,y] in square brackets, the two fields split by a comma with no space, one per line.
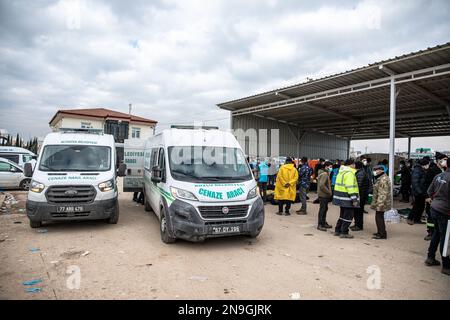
[114,218]
[35,224]
[25,184]
[165,237]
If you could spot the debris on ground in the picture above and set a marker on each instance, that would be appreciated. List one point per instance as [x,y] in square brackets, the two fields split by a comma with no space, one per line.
[32,282]
[32,290]
[72,254]
[295,295]
[42,231]
[17,222]
[308,235]
[287,255]
[84,254]
[226,291]
[34,250]
[199,278]
[54,262]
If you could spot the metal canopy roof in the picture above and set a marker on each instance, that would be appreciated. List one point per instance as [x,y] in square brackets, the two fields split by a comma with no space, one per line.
[355,104]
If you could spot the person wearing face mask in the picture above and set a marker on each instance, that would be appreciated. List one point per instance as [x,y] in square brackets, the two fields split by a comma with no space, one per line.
[325,194]
[434,169]
[439,197]
[381,200]
[419,191]
[346,196]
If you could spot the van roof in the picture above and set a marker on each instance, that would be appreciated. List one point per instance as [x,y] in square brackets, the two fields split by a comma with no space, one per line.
[79,139]
[8,149]
[195,137]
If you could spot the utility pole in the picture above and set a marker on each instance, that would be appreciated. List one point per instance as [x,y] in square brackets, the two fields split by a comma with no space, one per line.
[129,109]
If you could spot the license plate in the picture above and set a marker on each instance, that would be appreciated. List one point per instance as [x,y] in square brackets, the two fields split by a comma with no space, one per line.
[70,209]
[226,229]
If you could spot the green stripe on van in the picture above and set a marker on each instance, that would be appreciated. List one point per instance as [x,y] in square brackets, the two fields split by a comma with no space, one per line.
[161,191]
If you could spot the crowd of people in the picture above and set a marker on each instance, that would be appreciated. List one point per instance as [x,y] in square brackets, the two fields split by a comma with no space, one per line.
[351,184]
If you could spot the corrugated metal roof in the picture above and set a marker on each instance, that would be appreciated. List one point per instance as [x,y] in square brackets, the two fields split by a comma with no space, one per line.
[367,112]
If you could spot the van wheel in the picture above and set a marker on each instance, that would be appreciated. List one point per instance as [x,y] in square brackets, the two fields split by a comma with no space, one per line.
[165,237]
[35,224]
[25,184]
[115,216]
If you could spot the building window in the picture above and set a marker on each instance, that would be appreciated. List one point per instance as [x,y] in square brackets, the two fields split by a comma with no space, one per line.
[136,133]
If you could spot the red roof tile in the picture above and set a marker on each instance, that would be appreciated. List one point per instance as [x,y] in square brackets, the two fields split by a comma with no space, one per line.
[104,114]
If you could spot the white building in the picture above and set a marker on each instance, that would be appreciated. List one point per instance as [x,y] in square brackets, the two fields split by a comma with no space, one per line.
[121,125]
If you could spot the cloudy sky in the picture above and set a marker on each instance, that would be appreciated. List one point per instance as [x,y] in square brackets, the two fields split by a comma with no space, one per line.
[175,60]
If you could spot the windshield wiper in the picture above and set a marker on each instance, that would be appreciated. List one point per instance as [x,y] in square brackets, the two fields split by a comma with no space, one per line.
[49,168]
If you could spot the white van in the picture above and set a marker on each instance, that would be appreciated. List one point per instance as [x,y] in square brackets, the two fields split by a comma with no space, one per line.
[15,154]
[199,185]
[74,179]
[12,176]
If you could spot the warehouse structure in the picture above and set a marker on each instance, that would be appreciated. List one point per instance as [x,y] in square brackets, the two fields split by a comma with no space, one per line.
[403,97]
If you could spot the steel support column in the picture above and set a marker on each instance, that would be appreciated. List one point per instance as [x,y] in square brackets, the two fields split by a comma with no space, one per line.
[392,139]
[409,148]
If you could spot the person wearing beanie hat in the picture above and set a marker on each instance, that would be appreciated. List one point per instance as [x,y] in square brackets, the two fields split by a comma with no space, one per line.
[419,191]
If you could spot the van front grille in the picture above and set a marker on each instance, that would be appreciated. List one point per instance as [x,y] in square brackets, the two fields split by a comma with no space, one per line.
[71,194]
[221,212]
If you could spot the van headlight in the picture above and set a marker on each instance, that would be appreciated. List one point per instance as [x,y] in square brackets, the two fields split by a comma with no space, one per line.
[182,194]
[252,193]
[36,186]
[106,186]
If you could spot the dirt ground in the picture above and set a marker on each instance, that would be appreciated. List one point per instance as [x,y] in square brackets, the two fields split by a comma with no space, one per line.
[290,259]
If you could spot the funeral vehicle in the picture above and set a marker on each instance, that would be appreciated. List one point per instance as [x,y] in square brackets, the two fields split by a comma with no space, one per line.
[198,183]
[74,178]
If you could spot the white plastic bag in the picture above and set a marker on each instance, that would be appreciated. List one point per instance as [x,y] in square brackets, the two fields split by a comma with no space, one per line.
[392,216]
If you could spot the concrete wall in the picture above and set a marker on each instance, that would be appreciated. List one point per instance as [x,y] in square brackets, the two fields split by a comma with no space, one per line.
[312,145]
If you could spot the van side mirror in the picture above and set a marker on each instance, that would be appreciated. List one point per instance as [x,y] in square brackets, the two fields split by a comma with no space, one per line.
[28,170]
[121,172]
[156,174]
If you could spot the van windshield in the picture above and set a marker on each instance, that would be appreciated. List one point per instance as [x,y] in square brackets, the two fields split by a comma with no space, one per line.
[75,158]
[201,163]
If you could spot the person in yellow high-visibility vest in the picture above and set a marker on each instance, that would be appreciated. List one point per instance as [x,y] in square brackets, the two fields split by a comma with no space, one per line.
[346,196]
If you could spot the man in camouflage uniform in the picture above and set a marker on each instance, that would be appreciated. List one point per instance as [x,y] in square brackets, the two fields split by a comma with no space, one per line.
[381,200]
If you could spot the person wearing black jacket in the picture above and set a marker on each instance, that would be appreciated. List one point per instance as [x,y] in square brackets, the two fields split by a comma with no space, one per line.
[419,191]
[432,172]
[405,187]
[363,186]
[439,195]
